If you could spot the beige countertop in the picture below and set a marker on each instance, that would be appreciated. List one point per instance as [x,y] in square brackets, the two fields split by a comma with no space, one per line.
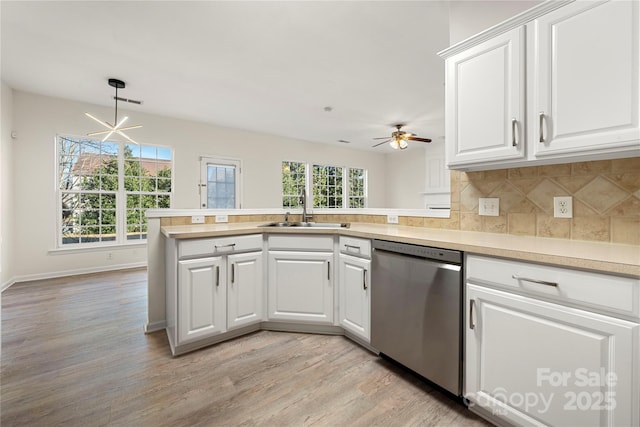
[598,256]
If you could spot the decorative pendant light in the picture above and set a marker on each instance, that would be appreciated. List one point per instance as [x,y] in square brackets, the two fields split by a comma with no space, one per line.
[116,127]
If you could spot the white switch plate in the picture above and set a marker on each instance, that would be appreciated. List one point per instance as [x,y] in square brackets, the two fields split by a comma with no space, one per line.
[563,207]
[489,206]
[392,219]
[222,218]
[197,219]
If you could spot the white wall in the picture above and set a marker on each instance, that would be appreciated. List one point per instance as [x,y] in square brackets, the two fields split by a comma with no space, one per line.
[37,119]
[6,186]
[406,177]
[467,18]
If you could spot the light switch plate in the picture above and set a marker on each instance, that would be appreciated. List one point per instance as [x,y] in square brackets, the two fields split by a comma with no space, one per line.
[489,206]
[197,219]
[222,218]
[392,219]
[563,207]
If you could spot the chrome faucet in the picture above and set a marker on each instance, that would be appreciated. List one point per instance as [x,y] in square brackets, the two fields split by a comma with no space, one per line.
[303,198]
[286,216]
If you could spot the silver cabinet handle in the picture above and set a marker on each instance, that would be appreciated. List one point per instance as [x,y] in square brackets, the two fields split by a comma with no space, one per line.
[233,272]
[231,245]
[217,276]
[351,247]
[541,126]
[514,140]
[472,304]
[540,282]
[328,270]
[364,279]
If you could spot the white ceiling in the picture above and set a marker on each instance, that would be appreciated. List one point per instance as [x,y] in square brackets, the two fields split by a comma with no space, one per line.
[269,67]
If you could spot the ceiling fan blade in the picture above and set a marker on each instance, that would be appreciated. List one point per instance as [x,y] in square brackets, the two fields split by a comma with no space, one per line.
[382,137]
[415,138]
[380,143]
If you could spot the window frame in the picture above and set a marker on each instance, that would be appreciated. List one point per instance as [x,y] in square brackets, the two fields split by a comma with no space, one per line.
[120,195]
[220,161]
[309,185]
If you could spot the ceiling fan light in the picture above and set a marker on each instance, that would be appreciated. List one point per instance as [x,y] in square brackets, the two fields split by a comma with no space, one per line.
[403,144]
[394,144]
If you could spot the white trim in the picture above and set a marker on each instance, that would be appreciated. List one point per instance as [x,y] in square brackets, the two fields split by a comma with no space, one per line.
[157,326]
[56,274]
[166,213]
[7,285]
[104,248]
[507,25]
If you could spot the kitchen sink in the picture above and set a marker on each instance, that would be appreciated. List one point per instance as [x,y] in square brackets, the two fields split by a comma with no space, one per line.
[308,224]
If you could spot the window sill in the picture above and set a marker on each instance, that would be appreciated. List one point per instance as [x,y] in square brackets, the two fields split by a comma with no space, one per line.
[77,249]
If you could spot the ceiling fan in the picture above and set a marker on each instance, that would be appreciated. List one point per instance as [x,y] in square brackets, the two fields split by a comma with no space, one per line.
[399,138]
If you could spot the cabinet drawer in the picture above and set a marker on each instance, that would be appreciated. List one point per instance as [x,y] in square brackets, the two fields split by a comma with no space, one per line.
[310,243]
[356,247]
[598,291]
[218,246]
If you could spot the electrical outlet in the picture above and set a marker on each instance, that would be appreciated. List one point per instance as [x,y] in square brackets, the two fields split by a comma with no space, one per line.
[563,207]
[222,218]
[392,219]
[197,219]
[489,206]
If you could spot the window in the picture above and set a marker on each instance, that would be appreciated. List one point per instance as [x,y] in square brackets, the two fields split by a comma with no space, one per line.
[220,180]
[104,189]
[357,188]
[327,187]
[331,186]
[293,183]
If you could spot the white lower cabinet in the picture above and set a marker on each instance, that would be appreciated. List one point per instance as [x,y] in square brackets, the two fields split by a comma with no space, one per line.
[244,289]
[201,299]
[355,296]
[211,290]
[301,286]
[530,361]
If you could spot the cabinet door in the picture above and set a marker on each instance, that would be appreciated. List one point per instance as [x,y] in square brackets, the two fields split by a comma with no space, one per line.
[201,299]
[301,286]
[485,101]
[244,290]
[585,81]
[355,300]
[538,363]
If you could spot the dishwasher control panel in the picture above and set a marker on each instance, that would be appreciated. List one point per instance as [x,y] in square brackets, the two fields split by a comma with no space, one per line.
[439,254]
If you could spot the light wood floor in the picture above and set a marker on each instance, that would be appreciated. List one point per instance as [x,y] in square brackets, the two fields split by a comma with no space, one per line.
[74,353]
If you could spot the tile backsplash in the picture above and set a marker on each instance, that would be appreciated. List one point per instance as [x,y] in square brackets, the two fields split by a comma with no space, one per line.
[606,200]
[606,203]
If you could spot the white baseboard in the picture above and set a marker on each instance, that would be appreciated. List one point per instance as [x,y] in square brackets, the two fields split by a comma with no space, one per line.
[155,326]
[7,284]
[55,274]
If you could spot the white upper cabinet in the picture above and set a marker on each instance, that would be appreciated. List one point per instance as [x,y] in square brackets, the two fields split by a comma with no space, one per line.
[485,100]
[585,79]
[580,98]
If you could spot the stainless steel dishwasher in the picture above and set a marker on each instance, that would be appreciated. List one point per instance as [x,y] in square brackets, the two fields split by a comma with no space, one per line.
[416,299]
